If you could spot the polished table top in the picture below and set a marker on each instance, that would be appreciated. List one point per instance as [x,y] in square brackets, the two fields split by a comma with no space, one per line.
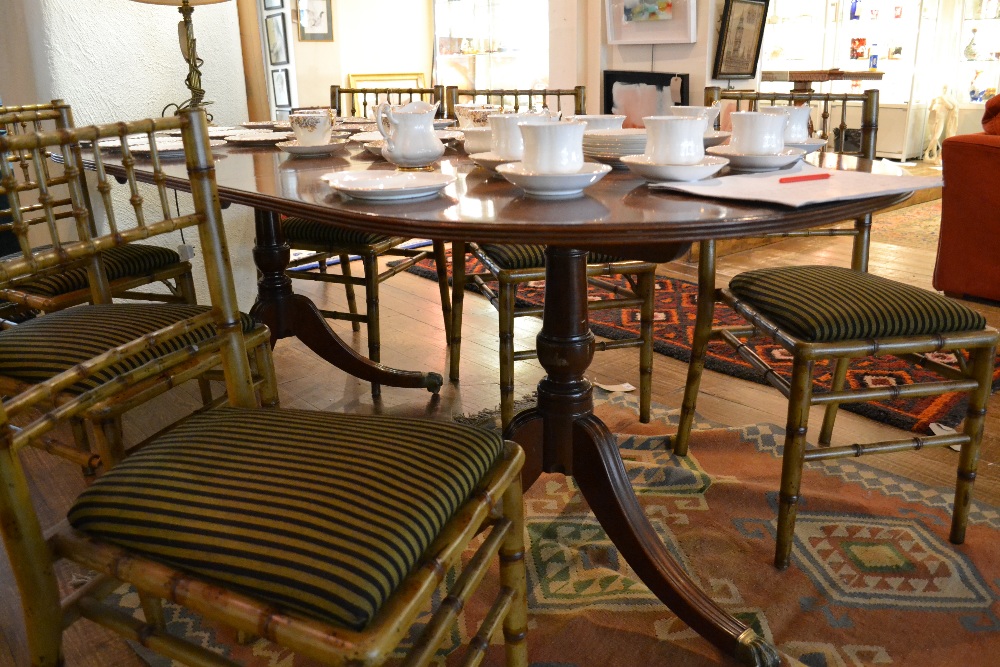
[617,212]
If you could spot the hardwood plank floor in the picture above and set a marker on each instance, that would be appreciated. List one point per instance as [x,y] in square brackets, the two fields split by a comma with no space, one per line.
[413,337]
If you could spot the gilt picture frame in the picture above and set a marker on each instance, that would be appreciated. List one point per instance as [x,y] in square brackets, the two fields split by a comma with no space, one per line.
[646,22]
[738,50]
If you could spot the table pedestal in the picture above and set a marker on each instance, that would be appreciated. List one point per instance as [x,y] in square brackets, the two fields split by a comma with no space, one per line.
[288,314]
[562,435]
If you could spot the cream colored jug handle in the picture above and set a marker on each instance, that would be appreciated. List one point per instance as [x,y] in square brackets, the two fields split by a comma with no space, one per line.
[382,113]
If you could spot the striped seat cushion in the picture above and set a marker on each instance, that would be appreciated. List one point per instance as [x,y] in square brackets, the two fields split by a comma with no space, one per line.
[310,231]
[314,512]
[830,303]
[135,259]
[511,257]
[45,346]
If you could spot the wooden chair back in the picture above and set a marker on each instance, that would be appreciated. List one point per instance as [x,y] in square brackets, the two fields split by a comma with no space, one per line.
[569,100]
[361,102]
[835,110]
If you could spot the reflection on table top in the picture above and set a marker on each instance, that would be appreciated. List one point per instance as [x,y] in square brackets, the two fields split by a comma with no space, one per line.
[618,211]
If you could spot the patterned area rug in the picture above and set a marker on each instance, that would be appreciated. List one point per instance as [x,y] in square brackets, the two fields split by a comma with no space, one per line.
[915,226]
[873,579]
[675,311]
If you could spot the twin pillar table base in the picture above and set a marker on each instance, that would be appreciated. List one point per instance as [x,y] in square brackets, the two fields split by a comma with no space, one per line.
[562,435]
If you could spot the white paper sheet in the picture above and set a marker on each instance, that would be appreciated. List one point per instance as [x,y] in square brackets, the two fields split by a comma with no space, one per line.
[766,187]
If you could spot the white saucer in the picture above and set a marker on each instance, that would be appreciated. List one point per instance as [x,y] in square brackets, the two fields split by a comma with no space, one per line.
[259,138]
[809,145]
[645,167]
[714,138]
[489,160]
[553,185]
[375,147]
[442,123]
[294,148]
[443,135]
[748,162]
[388,185]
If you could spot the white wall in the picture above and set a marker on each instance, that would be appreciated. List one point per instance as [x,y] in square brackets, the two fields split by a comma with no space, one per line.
[120,60]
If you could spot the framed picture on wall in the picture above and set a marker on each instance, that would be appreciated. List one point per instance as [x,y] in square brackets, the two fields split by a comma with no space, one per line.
[315,21]
[282,91]
[639,94]
[651,22]
[277,43]
[274,4]
[738,50]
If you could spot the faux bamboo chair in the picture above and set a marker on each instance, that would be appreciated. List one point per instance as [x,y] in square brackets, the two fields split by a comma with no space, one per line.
[324,242]
[128,268]
[836,313]
[513,265]
[327,534]
[361,102]
[51,202]
[568,100]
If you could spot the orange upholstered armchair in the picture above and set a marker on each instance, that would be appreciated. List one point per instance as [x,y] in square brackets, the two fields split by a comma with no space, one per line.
[967,263]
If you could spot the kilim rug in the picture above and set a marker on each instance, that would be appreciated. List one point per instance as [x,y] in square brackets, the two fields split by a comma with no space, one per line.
[674,319]
[873,579]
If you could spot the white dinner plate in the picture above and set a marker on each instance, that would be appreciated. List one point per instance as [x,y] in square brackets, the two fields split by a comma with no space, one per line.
[809,145]
[375,147]
[260,138]
[553,185]
[715,137]
[294,148]
[651,171]
[749,162]
[388,185]
[443,135]
[489,160]
[168,148]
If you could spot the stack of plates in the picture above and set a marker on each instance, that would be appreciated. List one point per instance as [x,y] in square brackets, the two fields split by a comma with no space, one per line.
[610,146]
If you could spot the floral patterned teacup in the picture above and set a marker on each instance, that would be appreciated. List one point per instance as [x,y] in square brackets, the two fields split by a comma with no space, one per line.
[312,127]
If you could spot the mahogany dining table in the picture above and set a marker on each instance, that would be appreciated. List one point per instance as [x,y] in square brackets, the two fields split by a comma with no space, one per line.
[618,215]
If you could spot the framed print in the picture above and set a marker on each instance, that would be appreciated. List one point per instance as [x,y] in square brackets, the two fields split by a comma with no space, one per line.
[639,94]
[273,4]
[651,22]
[315,21]
[277,45]
[738,50]
[282,92]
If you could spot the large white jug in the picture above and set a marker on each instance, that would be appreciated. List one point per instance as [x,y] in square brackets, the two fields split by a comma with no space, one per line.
[410,141]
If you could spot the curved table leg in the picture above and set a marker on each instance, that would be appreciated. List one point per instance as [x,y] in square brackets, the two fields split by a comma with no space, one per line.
[289,314]
[563,435]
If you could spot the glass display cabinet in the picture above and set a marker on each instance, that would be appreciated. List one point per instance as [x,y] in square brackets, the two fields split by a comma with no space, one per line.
[976,60]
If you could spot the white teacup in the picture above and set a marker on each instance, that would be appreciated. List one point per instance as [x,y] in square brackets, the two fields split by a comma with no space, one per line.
[475,115]
[708,113]
[553,148]
[506,141]
[675,139]
[797,128]
[312,127]
[477,139]
[604,121]
[757,133]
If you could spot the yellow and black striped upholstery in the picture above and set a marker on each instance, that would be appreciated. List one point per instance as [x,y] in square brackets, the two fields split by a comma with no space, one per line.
[121,262]
[512,257]
[314,512]
[310,231]
[831,303]
[41,348]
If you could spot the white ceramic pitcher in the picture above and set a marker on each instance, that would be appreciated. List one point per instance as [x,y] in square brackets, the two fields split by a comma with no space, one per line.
[410,141]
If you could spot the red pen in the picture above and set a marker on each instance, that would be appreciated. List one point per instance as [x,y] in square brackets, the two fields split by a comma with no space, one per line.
[804,177]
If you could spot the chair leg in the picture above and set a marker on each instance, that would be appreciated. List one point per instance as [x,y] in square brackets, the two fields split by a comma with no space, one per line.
[982,370]
[793,459]
[372,315]
[152,609]
[506,303]
[352,301]
[646,284]
[457,303]
[82,442]
[514,576]
[263,362]
[185,286]
[441,264]
[699,344]
[830,414]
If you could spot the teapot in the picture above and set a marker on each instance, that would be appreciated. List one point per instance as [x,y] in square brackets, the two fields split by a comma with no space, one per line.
[410,141]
